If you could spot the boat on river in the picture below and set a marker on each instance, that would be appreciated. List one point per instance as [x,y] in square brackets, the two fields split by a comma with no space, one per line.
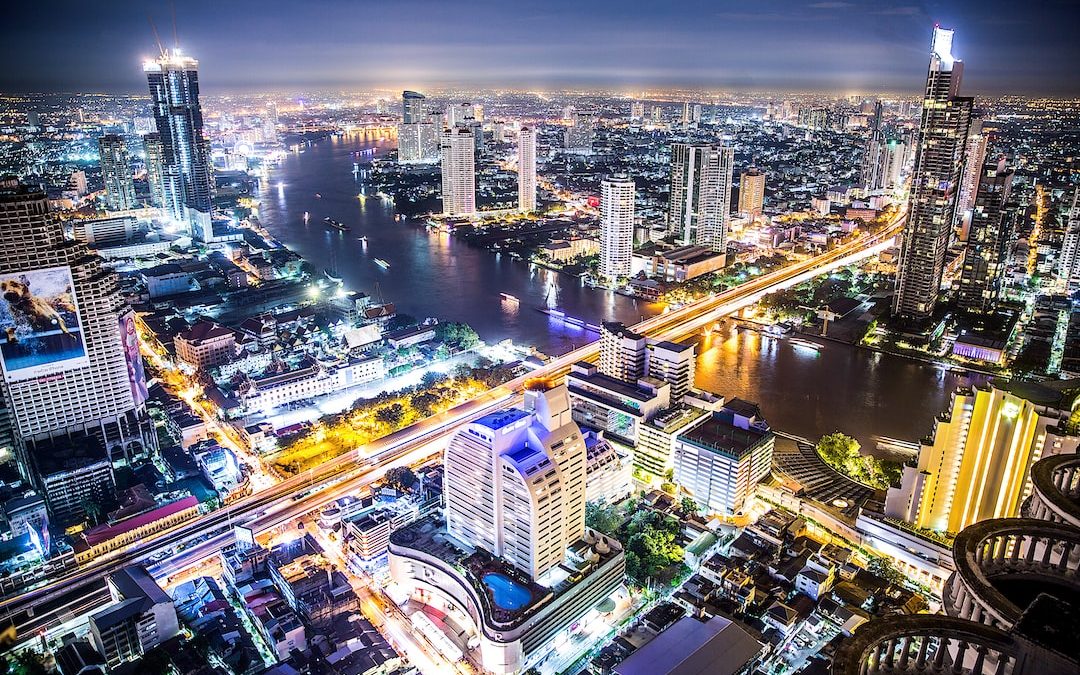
[382,263]
[330,222]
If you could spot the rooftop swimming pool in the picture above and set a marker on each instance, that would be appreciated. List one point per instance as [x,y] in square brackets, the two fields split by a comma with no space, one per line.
[507,593]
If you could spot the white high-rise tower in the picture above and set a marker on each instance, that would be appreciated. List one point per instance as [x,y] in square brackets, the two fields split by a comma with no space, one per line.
[458,172]
[526,170]
[616,225]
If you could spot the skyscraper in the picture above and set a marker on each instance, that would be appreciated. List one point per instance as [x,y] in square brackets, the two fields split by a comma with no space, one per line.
[412,103]
[700,196]
[495,497]
[989,240]
[116,173]
[458,172]
[875,158]
[623,353]
[637,111]
[270,122]
[752,192]
[526,170]
[174,97]
[974,156]
[939,158]
[154,168]
[418,143]
[76,370]
[1069,265]
[616,225]
[579,135]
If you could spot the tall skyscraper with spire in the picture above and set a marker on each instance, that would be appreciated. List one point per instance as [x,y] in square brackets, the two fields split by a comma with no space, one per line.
[939,160]
[174,97]
[116,173]
[526,170]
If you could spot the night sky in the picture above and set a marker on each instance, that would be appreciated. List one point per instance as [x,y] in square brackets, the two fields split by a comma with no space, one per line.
[1009,46]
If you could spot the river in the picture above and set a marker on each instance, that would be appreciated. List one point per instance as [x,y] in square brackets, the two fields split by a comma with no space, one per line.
[801,391]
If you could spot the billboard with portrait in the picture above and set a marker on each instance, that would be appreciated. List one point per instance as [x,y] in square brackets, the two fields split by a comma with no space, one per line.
[136,374]
[40,327]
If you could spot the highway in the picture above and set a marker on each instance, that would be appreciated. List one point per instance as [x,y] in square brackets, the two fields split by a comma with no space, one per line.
[50,604]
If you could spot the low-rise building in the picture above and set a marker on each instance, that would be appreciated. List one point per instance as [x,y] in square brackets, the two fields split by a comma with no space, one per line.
[98,541]
[141,617]
[206,344]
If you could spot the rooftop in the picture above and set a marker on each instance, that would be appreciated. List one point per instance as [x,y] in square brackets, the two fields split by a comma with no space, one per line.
[690,646]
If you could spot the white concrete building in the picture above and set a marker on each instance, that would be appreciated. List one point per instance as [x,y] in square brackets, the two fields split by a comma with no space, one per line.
[700,199]
[526,153]
[458,172]
[616,225]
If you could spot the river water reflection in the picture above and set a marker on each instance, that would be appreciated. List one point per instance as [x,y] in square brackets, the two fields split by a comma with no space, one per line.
[801,391]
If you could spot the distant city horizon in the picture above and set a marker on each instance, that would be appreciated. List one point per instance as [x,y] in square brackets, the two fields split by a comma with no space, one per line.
[775,46]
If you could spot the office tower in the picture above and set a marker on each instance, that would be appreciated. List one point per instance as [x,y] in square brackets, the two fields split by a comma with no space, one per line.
[673,363]
[700,195]
[1069,265]
[71,370]
[458,172]
[686,114]
[579,135]
[752,192]
[495,497]
[526,153]
[815,119]
[174,98]
[623,353]
[989,240]
[939,158]
[657,113]
[720,461]
[141,617]
[695,113]
[974,156]
[476,128]
[975,466]
[412,104]
[637,111]
[270,122]
[616,225]
[872,173]
[154,168]
[116,173]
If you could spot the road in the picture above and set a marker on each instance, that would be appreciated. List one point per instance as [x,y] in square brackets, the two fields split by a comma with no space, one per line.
[314,489]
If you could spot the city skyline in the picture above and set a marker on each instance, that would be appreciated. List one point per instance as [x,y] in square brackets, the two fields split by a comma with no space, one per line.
[805,46]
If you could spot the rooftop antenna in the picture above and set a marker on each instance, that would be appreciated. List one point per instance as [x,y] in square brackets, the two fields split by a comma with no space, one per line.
[157,38]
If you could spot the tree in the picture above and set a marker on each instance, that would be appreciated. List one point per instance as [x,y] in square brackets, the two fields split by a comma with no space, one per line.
[884,568]
[401,478]
[393,414]
[837,450]
[26,662]
[602,518]
[688,505]
[92,509]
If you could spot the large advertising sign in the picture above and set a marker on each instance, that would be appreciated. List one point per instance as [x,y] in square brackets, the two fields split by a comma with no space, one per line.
[40,327]
[136,374]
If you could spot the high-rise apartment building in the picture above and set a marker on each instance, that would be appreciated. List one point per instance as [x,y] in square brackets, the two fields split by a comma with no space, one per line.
[412,106]
[700,197]
[526,154]
[174,98]
[579,135]
[974,157]
[623,353]
[418,142]
[752,192]
[1069,264]
[673,363]
[461,113]
[989,240]
[637,111]
[458,171]
[153,150]
[71,365]
[616,225]
[939,159]
[116,173]
[975,465]
[720,461]
[515,482]
[270,123]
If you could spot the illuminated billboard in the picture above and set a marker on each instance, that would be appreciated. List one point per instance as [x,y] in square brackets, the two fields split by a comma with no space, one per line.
[40,328]
[136,374]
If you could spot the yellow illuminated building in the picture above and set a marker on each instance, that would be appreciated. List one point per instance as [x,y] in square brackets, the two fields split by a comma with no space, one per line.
[975,465]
